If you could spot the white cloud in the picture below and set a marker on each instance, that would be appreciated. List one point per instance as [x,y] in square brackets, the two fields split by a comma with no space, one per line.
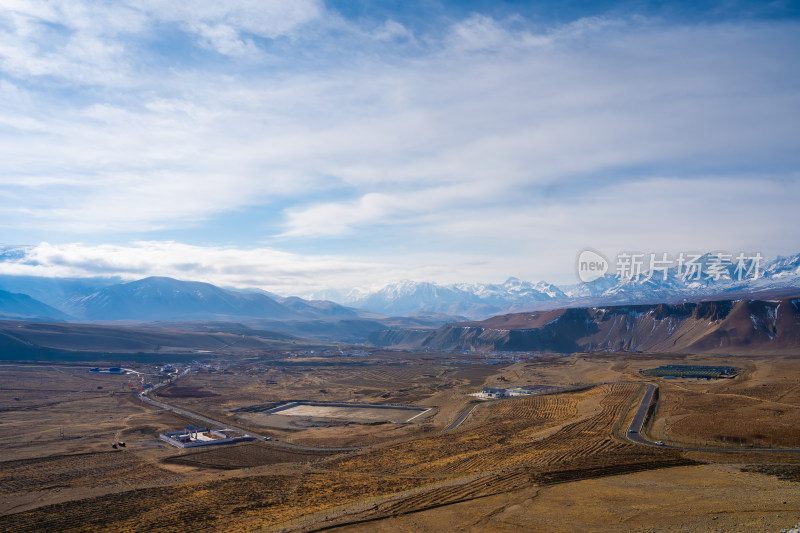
[86,42]
[70,40]
[408,206]
[489,129]
[225,39]
[540,240]
[537,242]
[224,26]
[479,32]
[392,30]
[264,268]
[267,18]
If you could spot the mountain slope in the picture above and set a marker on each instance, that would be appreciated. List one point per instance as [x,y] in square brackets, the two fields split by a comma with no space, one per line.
[317,308]
[54,292]
[729,326]
[15,305]
[159,298]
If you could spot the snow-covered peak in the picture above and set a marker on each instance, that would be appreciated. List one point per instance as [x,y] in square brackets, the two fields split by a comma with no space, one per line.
[406,287]
[594,288]
[468,299]
[783,267]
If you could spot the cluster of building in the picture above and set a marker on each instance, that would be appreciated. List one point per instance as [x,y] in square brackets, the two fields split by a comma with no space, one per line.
[192,436]
[492,392]
[112,370]
[354,353]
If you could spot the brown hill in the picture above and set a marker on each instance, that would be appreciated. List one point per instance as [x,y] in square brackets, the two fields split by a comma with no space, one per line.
[730,326]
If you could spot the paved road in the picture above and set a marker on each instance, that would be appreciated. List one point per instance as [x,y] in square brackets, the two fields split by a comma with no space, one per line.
[635,433]
[635,429]
[461,418]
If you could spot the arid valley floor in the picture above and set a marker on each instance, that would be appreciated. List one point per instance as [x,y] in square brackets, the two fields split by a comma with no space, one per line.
[550,462]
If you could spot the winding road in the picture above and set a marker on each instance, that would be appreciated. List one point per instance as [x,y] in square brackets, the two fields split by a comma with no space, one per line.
[635,432]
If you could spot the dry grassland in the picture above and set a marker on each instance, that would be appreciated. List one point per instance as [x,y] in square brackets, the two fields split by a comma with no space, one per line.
[62,410]
[238,503]
[766,396]
[683,499]
[246,455]
[542,463]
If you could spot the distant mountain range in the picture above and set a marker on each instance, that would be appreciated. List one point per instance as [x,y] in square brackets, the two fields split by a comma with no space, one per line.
[778,277]
[152,299]
[679,311]
[169,300]
[168,303]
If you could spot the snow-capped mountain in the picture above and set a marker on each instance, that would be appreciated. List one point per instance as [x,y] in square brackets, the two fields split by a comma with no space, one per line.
[407,297]
[698,277]
[592,289]
[513,288]
[708,275]
[467,299]
[783,268]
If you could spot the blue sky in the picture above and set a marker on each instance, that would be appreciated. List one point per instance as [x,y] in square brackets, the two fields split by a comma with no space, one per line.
[302,145]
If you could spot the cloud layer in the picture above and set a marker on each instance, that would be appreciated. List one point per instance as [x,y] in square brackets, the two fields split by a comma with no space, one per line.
[484,148]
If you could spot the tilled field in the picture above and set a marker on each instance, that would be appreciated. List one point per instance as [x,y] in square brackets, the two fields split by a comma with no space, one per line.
[502,482]
[79,470]
[239,503]
[514,435]
[243,456]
